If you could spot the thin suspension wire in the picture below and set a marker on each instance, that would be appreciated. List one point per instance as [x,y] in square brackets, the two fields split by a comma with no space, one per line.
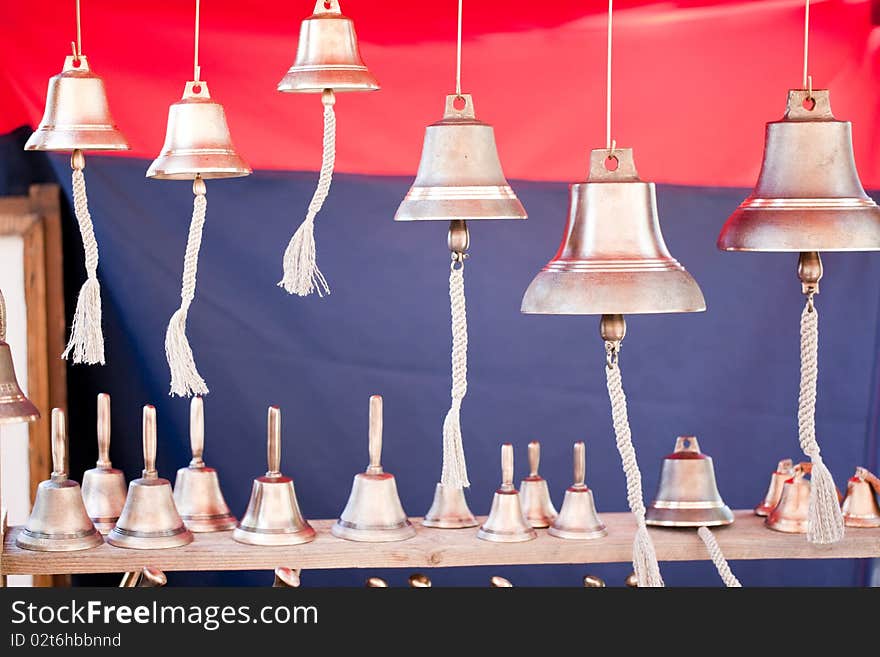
[458,55]
[196,69]
[806,40]
[79,45]
[608,143]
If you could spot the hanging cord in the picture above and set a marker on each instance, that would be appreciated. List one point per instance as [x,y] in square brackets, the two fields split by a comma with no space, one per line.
[86,342]
[458,54]
[185,378]
[454,468]
[197,71]
[301,273]
[718,559]
[77,45]
[807,45]
[644,556]
[608,143]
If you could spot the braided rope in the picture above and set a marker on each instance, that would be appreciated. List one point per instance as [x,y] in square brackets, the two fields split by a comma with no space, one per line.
[718,559]
[2,317]
[454,467]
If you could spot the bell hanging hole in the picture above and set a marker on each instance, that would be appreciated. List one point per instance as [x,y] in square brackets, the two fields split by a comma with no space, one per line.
[327,4]
[611,163]
[686,443]
[809,103]
[459,103]
[77,63]
[197,88]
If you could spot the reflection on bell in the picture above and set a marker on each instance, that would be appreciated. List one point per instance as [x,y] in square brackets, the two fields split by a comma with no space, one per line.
[791,514]
[373,512]
[58,521]
[197,140]
[419,581]
[506,522]
[286,578]
[860,508]
[497,582]
[687,495]
[808,196]
[376,583]
[149,519]
[593,582]
[459,175]
[197,491]
[103,487]
[273,516]
[534,494]
[145,578]
[77,115]
[777,480]
[449,510]
[632,581]
[612,259]
[14,406]
[578,519]
[327,55]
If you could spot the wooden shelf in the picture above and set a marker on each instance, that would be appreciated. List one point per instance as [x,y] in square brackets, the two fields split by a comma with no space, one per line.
[747,538]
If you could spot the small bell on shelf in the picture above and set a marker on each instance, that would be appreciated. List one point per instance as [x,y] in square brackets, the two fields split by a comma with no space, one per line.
[534,494]
[103,487]
[783,473]
[506,522]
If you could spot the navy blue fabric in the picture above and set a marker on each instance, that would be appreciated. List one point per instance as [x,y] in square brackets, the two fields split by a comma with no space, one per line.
[729,375]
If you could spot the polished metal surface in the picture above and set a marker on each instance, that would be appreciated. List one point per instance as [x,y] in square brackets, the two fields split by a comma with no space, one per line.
[419,581]
[103,487]
[791,514]
[593,582]
[783,473]
[327,55]
[145,578]
[860,508]
[373,512]
[688,495]
[197,493]
[612,259]
[149,519]
[497,582]
[808,196]
[58,521]
[459,175]
[197,140]
[534,494]
[449,510]
[506,522]
[376,583]
[14,406]
[286,578]
[632,581]
[77,115]
[578,519]
[273,516]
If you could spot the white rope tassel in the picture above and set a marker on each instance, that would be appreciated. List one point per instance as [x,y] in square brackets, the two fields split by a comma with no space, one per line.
[718,559]
[86,337]
[301,273]
[644,556]
[185,378]
[825,517]
[454,467]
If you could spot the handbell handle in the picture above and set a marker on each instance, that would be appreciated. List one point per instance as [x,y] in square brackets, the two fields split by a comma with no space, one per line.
[197,431]
[149,430]
[507,466]
[273,447]
[534,458]
[687,444]
[580,464]
[870,477]
[375,435]
[59,444]
[2,317]
[103,430]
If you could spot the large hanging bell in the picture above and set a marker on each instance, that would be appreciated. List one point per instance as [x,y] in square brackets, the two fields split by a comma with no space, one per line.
[197,140]
[613,259]
[860,508]
[327,56]
[14,406]
[460,175]
[77,115]
[687,495]
[808,196]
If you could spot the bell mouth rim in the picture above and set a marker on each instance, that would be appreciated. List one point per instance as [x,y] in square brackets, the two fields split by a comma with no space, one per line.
[20,419]
[578,535]
[806,247]
[205,174]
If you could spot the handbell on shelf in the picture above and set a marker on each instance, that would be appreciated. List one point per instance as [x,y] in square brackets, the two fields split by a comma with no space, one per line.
[783,473]
[860,508]
[534,495]
[449,509]
[506,522]
[791,514]
[103,487]
[578,519]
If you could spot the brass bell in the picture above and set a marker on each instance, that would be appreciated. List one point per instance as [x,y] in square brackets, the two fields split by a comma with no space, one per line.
[419,581]
[631,581]
[197,493]
[498,582]
[808,196]
[860,508]
[327,56]
[273,516]
[149,519]
[449,510]
[77,115]
[578,519]
[197,140]
[373,512]
[459,175]
[145,578]
[593,582]
[506,522]
[783,473]
[14,406]
[376,583]
[612,259]
[534,495]
[103,487]
[286,578]
[791,514]
[687,495]
[58,521]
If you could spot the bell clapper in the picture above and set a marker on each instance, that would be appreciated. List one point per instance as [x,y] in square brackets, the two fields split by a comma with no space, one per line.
[810,273]
[459,240]
[612,328]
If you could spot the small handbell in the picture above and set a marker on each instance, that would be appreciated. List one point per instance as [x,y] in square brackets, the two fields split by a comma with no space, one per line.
[860,508]
[197,491]
[578,519]
[506,522]
[791,514]
[373,512]
[149,519]
[58,521]
[534,494]
[449,510]
[103,487]
[273,516]
[15,407]
[783,473]
[687,495]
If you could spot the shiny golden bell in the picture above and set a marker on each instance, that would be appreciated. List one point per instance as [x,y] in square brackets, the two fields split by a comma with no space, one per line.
[506,522]
[613,259]
[459,175]
[77,115]
[145,578]
[534,494]
[783,473]
[791,514]
[14,406]
[578,519]
[860,508]
[103,487]
[286,578]
[688,495]
[449,509]
[808,196]
[327,56]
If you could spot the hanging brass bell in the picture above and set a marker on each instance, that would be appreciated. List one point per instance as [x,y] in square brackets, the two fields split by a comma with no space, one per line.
[376,583]
[688,495]
[578,519]
[613,259]
[498,582]
[808,196]
[103,487]
[459,175]
[286,578]
[149,519]
[419,581]
[783,473]
[14,406]
[58,521]
[373,512]
[197,140]
[791,514]
[506,522]
[77,115]
[327,55]
[860,508]
[593,582]
[534,494]
[145,578]
[273,516]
